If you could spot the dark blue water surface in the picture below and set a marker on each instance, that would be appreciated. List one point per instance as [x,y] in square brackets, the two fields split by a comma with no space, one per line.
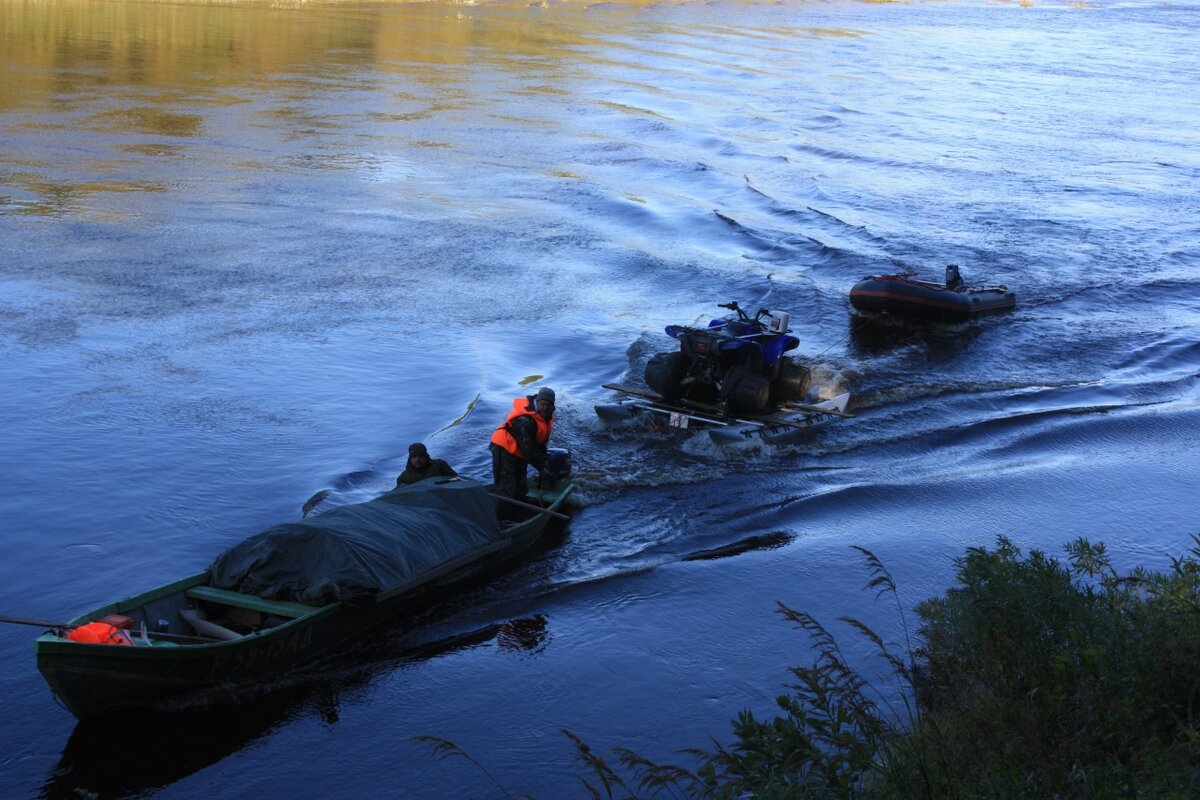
[252,251]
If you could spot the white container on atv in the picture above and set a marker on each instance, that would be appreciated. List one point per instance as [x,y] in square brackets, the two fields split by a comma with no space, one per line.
[777,321]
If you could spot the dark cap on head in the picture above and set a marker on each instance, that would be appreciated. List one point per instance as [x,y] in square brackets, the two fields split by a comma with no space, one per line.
[545,393]
[417,449]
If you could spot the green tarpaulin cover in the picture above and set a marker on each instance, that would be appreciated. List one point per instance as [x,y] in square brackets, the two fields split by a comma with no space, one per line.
[353,553]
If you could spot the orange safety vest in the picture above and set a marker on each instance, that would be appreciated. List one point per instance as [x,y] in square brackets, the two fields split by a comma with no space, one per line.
[99,633]
[503,435]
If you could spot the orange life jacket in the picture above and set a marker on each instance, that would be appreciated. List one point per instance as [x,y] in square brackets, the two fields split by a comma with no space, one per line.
[99,633]
[522,406]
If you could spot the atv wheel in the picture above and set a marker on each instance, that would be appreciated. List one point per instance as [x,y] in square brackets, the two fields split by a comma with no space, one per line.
[745,391]
[665,373]
[792,383]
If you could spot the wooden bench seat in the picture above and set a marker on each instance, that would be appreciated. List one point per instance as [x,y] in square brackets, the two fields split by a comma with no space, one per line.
[280,608]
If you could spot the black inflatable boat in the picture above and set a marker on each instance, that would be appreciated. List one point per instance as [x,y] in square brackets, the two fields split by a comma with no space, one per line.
[952,301]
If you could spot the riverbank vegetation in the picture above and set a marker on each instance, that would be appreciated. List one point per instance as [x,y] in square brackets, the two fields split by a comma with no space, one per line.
[1030,677]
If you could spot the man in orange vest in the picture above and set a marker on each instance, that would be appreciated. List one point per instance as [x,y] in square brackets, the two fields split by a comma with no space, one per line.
[520,441]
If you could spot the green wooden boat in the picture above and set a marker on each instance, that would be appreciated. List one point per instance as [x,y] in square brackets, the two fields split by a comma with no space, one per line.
[172,657]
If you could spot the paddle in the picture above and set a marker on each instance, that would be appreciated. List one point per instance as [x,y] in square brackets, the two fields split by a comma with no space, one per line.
[515,502]
[37,623]
[529,506]
[41,623]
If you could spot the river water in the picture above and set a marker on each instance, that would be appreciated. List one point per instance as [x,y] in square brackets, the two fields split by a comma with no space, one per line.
[251,251]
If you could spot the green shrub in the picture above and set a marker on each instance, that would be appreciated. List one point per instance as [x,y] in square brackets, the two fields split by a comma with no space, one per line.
[1039,679]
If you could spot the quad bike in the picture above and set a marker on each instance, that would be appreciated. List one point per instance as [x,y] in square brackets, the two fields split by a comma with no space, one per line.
[737,362]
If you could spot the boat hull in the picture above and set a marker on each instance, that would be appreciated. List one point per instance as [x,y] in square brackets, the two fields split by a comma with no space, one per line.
[94,680]
[908,297]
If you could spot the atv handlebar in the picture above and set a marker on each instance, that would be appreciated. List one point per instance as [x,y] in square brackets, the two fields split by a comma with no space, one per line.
[743,316]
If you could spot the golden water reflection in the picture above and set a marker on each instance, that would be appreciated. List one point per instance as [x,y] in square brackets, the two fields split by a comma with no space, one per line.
[84,82]
[97,96]
[54,49]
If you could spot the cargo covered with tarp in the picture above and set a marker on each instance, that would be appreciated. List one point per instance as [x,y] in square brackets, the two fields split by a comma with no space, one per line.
[358,552]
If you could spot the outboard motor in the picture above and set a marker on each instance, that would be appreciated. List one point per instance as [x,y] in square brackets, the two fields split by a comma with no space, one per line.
[556,469]
[953,278]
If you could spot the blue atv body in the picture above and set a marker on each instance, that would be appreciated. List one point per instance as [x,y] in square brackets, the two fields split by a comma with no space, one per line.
[736,362]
